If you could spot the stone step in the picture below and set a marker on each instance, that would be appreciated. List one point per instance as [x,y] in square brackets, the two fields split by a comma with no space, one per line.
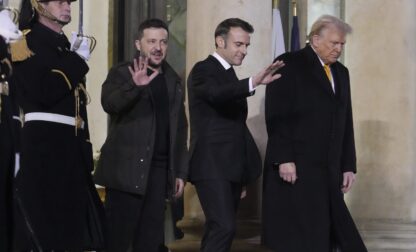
[378,235]
[389,236]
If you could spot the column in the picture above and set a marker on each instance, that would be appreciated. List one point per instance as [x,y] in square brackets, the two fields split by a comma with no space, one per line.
[380,55]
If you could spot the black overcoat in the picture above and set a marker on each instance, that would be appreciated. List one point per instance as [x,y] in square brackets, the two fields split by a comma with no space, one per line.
[54,190]
[222,146]
[311,126]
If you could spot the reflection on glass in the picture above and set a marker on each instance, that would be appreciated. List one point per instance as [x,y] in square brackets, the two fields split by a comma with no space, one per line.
[176,18]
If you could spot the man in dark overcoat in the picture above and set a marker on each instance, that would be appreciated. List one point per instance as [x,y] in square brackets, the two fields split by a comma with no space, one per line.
[224,157]
[58,207]
[310,159]
[143,161]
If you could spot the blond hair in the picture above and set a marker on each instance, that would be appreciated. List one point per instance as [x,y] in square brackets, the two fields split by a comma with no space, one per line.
[325,21]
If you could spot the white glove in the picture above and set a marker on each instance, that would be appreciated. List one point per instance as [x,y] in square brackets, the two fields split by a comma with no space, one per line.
[8,29]
[79,44]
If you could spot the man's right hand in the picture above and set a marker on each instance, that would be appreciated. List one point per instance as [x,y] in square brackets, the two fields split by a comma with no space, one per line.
[268,75]
[287,172]
[139,72]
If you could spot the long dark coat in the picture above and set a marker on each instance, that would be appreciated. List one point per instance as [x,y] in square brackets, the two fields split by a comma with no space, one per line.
[126,155]
[311,126]
[222,146]
[54,190]
[8,146]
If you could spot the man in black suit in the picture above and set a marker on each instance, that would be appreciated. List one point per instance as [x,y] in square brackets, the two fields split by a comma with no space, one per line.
[224,156]
[310,158]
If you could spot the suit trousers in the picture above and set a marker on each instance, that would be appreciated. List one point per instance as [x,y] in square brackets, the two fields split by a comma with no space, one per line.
[136,222]
[219,200]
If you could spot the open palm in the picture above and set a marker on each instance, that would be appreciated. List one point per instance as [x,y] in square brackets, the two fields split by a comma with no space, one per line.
[139,72]
[268,75]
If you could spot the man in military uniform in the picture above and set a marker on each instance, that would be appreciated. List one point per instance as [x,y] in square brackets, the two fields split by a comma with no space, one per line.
[58,205]
[8,128]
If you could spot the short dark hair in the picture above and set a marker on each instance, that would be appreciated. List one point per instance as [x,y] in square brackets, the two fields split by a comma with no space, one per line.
[224,27]
[151,23]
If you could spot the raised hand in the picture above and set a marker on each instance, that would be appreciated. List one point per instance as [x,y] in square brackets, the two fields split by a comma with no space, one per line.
[267,75]
[139,72]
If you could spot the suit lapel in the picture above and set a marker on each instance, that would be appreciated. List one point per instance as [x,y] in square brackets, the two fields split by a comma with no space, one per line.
[340,82]
[231,74]
[318,72]
[337,80]
[228,77]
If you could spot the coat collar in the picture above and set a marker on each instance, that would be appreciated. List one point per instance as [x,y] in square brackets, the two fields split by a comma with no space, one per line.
[45,35]
[173,83]
[220,59]
[319,73]
[224,73]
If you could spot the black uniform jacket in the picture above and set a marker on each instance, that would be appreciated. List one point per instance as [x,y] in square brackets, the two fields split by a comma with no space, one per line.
[54,185]
[310,125]
[126,155]
[8,144]
[221,145]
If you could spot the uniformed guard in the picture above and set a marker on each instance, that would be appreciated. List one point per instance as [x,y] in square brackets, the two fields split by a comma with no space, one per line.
[8,127]
[58,206]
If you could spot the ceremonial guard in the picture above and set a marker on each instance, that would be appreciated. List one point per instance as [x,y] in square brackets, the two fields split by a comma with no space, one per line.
[58,206]
[8,127]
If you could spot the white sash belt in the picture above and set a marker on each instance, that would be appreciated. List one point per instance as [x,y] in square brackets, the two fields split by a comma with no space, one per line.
[50,117]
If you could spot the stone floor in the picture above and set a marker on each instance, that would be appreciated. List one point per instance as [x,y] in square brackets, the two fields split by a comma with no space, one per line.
[379,236]
[391,236]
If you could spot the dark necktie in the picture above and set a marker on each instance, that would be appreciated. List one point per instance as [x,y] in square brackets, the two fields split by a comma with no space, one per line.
[231,73]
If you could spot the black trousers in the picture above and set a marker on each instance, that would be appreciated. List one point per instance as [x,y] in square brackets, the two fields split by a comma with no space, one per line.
[6,180]
[136,222]
[219,200]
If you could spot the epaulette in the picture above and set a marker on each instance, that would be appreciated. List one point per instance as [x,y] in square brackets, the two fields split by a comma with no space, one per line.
[19,49]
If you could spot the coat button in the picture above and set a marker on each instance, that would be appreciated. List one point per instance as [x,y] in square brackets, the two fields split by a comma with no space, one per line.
[142,176]
[141,160]
[137,186]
